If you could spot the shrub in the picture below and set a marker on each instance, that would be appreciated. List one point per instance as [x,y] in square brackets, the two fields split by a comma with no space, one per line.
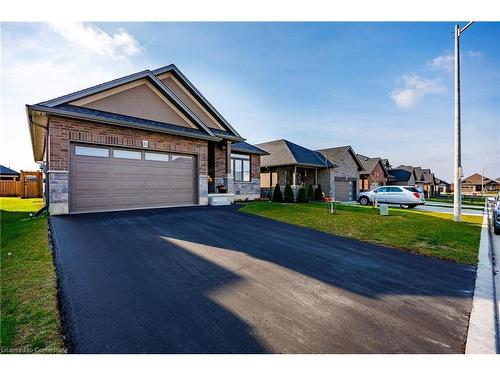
[277,197]
[318,193]
[288,198]
[310,192]
[302,195]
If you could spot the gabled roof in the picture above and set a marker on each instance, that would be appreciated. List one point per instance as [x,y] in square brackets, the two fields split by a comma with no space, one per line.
[283,152]
[37,114]
[334,154]
[247,148]
[194,91]
[7,171]
[440,181]
[386,163]
[369,164]
[477,179]
[417,172]
[428,176]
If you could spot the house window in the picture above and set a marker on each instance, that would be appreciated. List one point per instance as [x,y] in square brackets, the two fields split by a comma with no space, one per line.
[240,167]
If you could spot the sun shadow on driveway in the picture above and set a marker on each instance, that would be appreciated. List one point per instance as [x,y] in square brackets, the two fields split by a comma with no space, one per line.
[214,280]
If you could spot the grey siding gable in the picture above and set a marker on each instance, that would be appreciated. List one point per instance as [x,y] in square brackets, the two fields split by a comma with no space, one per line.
[346,167]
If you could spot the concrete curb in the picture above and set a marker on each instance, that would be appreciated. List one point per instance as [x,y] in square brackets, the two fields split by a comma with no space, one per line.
[482,334]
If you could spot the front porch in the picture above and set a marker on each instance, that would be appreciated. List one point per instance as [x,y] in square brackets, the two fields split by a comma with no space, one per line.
[294,175]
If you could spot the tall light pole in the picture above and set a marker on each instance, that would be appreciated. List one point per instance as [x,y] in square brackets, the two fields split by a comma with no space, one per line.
[457,192]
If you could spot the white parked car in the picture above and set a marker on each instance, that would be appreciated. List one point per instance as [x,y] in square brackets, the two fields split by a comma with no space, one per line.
[405,196]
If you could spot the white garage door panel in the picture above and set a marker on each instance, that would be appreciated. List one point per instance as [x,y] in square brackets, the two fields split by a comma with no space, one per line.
[99,183]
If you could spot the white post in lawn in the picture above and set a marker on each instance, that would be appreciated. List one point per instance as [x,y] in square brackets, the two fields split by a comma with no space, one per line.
[457,193]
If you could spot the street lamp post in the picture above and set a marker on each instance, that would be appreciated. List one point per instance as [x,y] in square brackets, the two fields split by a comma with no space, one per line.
[457,192]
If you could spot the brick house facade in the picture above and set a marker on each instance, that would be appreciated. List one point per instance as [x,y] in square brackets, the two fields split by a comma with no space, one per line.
[58,125]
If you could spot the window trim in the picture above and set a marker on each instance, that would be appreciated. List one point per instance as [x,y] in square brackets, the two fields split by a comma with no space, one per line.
[241,158]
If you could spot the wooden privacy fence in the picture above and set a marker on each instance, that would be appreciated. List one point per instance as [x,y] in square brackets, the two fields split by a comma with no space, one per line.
[30,185]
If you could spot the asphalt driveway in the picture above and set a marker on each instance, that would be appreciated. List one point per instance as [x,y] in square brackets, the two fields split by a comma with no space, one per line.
[214,280]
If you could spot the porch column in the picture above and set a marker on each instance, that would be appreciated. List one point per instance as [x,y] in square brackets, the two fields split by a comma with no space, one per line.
[315,176]
[294,177]
[228,179]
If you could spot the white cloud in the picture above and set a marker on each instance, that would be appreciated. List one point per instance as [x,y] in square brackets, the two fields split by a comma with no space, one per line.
[415,88]
[118,46]
[444,62]
[37,65]
[475,54]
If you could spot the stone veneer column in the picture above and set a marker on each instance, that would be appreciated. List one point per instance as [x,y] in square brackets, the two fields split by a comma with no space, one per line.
[203,190]
[58,192]
[228,179]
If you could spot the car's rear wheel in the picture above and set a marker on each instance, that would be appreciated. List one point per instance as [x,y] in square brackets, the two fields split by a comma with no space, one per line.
[364,201]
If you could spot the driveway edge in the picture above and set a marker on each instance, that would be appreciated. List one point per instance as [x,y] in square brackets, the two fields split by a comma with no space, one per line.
[482,332]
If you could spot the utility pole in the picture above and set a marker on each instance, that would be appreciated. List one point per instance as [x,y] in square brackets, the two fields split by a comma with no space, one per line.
[457,193]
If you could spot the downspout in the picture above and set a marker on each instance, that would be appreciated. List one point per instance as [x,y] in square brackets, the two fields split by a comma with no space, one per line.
[46,171]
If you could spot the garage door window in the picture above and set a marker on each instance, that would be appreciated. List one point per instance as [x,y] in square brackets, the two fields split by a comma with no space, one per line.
[126,154]
[155,156]
[91,151]
[181,159]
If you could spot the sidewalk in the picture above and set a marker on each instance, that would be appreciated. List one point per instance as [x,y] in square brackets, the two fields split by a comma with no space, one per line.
[483,334]
[444,204]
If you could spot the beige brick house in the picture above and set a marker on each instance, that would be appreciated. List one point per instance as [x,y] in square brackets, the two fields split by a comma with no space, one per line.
[150,139]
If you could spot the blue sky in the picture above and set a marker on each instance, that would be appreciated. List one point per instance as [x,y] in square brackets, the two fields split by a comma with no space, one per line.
[384,88]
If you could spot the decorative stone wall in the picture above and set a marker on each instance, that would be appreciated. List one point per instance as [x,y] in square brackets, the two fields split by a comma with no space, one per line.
[247,188]
[58,192]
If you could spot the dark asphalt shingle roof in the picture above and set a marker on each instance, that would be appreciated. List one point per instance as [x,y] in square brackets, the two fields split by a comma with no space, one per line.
[400,174]
[247,147]
[369,163]
[7,171]
[283,152]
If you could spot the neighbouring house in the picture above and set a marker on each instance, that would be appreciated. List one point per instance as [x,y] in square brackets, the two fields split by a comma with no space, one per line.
[429,182]
[287,163]
[441,187]
[149,139]
[477,183]
[401,177]
[346,172]
[386,164]
[374,173]
[7,174]
[407,175]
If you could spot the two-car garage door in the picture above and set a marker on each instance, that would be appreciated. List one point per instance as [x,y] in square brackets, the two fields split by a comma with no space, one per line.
[112,178]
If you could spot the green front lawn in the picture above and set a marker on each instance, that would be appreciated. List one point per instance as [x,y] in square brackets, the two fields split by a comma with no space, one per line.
[29,314]
[428,233]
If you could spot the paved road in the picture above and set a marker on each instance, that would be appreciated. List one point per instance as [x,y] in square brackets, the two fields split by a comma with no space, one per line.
[213,280]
